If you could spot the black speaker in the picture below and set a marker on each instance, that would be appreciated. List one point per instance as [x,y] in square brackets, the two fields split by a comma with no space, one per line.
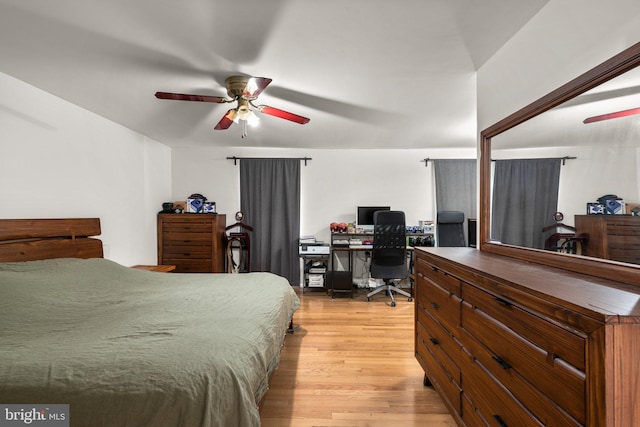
[471,230]
[339,281]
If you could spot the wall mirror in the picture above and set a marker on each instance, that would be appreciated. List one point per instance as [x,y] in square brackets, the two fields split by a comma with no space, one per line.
[602,157]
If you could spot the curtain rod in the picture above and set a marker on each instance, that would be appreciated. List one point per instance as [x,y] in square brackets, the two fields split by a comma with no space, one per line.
[564,159]
[427,160]
[235,159]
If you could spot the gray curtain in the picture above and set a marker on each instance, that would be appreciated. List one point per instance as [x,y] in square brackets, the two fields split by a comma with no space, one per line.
[456,188]
[270,201]
[456,185]
[525,197]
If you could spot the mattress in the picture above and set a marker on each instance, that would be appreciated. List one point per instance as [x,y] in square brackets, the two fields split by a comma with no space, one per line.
[127,347]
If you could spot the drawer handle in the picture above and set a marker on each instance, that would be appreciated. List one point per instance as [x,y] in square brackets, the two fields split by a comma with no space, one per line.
[499,421]
[502,363]
[434,341]
[434,305]
[502,302]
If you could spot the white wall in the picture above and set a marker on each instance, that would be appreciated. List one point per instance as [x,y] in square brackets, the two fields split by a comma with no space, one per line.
[59,160]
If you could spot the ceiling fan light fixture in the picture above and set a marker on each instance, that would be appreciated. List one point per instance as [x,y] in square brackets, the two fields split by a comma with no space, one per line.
[252,119]
[245,113]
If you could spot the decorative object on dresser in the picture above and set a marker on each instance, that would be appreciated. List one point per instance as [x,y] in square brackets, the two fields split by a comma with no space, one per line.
[508,342]
[192,242]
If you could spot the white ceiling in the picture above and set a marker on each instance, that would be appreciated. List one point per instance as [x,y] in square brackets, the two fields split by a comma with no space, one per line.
[368,73]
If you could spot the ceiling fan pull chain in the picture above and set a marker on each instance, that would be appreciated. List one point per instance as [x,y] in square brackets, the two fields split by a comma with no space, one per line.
[243,123]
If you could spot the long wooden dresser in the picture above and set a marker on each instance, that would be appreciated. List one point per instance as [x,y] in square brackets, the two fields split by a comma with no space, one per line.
[192,242]
[507,342]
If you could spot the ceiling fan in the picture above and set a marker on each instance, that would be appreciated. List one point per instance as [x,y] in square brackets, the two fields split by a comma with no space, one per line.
[243,90]
[609,116]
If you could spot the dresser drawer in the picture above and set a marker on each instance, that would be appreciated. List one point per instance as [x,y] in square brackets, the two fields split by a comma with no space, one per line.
[558,342]
[196,239]
[444,280]
[188,224]
[439,301]
[189,265]
[438,340]
[179,251]
[449,391]
[493,403]
[624,250]
[469,414]
[524,368]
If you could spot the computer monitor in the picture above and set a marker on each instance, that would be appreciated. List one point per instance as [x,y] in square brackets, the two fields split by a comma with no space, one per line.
[364,216]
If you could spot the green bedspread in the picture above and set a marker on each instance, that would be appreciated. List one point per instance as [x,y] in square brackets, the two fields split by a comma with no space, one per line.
[128,347]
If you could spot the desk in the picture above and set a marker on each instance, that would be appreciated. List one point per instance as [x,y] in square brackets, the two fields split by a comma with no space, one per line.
[411,237]
[354,249]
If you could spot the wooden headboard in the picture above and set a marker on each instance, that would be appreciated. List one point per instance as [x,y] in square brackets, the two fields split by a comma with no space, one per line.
[33,239]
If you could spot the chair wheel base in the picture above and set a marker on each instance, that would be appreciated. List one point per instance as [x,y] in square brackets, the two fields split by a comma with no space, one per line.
[368,299]
[393,303]
[410,299]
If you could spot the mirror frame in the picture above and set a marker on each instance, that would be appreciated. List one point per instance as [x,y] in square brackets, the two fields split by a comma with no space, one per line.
[622,272]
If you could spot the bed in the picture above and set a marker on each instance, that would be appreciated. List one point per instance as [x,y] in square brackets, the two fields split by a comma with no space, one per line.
[128,347]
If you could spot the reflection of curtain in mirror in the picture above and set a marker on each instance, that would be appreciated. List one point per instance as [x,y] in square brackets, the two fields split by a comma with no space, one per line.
[525,197]
[270,201]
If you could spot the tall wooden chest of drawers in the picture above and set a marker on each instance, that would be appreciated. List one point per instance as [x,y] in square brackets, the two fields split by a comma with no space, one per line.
[192,242]
[507,342]
[615,237]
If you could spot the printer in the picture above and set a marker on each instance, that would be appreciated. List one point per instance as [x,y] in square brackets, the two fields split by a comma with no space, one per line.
[317,248]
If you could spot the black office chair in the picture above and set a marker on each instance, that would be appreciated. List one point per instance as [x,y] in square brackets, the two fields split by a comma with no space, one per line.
[450,230]
[389,254]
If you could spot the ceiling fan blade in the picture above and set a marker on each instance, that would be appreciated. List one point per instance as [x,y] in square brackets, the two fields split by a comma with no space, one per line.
[186,97]
[283,114]
[255,86]
[225,121]
[347,110]
[615,115]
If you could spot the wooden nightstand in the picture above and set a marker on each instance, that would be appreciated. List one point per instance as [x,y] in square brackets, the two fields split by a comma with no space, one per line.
[158,268]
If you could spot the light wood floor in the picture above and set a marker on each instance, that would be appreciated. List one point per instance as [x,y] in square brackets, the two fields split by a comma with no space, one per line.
[351,363]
